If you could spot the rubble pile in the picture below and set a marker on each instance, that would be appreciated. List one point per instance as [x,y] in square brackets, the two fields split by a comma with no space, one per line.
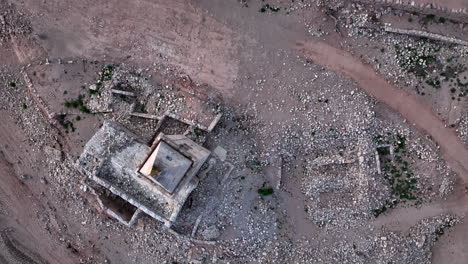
[345,194]
[318,133]
[147,99]
[12,23]
[380,247]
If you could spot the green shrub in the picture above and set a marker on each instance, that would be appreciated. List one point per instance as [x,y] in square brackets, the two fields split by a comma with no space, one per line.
[265,191]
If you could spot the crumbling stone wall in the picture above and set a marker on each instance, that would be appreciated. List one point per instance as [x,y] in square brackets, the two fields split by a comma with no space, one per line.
[410,5]
[419,33]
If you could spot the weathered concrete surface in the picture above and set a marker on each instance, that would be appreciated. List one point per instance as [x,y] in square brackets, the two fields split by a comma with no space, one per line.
[112,158]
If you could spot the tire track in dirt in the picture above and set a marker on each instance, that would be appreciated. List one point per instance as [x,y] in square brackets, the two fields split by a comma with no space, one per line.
[407,105]
[15,252]
[23,207]
[20,202]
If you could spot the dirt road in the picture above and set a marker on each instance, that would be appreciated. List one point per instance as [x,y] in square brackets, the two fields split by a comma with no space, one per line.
[407,105]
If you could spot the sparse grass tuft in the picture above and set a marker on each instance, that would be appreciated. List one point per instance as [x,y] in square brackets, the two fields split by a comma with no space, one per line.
[265,191]
[107,72]
[435,82]
[267,7]
[398,173]
[77,103]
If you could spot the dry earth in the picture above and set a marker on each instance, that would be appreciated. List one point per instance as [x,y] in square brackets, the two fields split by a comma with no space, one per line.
[408,106]
[275,93]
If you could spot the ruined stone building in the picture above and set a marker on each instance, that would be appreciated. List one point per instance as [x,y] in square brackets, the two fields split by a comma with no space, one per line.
[129,177]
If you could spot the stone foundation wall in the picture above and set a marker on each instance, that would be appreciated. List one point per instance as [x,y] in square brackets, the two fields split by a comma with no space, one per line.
[409,5]
[418,33]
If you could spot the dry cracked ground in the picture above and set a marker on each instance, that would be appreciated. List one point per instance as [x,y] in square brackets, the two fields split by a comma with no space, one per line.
[345,143]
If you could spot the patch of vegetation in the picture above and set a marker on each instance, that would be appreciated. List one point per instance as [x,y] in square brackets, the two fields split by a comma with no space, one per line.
[434,82]
[398,174]
[78,104]
[107,72]
[414,61]
[379,139]
[422,62]
[385,207]
[12,84]
[451,74]
[427,19]
[452,71]
[433,19]
[66,124]
[401,142]
[267,7]
[78,118]
[141,107]
[265,191]
[24,106]
[410,19]
[105,75]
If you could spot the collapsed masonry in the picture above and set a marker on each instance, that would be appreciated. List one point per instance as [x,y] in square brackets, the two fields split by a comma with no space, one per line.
[424,34]
[344,188]
[423,6]
[129,177]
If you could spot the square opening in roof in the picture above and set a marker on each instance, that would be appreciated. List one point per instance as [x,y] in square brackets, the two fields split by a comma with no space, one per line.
[166,166]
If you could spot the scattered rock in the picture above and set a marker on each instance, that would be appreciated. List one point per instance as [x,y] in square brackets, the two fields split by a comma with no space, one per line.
[211,233]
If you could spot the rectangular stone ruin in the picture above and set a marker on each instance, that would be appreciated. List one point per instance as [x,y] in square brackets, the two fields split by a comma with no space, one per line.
[129,177]
[380,152]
